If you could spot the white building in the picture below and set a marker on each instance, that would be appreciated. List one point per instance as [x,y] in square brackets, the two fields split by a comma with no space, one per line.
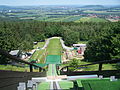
[80,47]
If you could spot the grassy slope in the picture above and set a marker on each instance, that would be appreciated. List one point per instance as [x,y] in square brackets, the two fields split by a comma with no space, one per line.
[38,55]
[93,67]
[54,47]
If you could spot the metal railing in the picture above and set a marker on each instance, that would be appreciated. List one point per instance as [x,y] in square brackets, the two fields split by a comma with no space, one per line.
[99,62]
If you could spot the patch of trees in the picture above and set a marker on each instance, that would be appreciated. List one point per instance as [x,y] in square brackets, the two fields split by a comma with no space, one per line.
[106,46]
[21,34]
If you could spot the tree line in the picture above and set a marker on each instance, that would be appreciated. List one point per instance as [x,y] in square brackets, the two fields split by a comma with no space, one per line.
[21,34]
[106,46]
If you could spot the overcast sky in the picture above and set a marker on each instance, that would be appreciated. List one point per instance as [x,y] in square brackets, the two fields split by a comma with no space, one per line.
[59,2]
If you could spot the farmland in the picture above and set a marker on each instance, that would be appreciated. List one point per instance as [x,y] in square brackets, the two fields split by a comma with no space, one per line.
[90,19]
[61,13]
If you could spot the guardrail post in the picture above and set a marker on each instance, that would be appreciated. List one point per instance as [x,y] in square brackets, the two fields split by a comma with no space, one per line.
[31,69]
[67,68]
[40,69]
[100,67]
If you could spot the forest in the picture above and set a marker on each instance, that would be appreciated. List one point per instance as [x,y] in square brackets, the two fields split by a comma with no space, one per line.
[103,37]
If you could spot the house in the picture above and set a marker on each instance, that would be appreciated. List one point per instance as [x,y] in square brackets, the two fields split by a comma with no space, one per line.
[35,43]
[15,53]
[18,53]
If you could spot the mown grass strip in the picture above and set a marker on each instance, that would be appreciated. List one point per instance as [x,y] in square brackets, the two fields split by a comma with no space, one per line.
[54,47]
[44,86]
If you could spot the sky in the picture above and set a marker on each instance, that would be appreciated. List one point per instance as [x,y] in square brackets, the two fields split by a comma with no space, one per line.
[58,2]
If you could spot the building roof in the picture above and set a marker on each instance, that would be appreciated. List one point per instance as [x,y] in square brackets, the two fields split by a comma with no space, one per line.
[14,52]
[81,45]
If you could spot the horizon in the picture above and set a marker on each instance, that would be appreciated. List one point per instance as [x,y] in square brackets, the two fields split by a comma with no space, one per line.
[55,5]
[58,2]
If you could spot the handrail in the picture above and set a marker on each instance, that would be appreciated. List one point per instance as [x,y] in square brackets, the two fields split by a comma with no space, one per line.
[3,52]
[99,62]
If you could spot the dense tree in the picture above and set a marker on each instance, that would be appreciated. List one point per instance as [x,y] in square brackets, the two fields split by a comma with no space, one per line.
[105,47]
[70,37]
[98,49]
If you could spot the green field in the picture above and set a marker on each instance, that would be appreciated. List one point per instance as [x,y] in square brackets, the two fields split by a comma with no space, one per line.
[90,19]
[72,18]
[60,19]
[102,12]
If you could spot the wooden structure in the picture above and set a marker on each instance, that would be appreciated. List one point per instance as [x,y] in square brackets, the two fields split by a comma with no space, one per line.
[13,58]
[9,80]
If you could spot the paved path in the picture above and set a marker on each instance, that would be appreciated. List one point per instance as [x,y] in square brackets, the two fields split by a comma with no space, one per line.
[65,47]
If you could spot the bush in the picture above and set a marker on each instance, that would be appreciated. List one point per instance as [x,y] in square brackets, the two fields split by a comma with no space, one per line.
[74,62]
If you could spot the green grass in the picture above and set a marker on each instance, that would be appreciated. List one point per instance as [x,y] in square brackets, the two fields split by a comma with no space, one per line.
[90,19]
[72,18]
[66,85]
[102,12]
[54,47]
[79,81]
[44,86]
[39,44]
[62,19]
[15,68]
[99,84]
[93,67]
[91,11]
[39,54]
[49,73]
